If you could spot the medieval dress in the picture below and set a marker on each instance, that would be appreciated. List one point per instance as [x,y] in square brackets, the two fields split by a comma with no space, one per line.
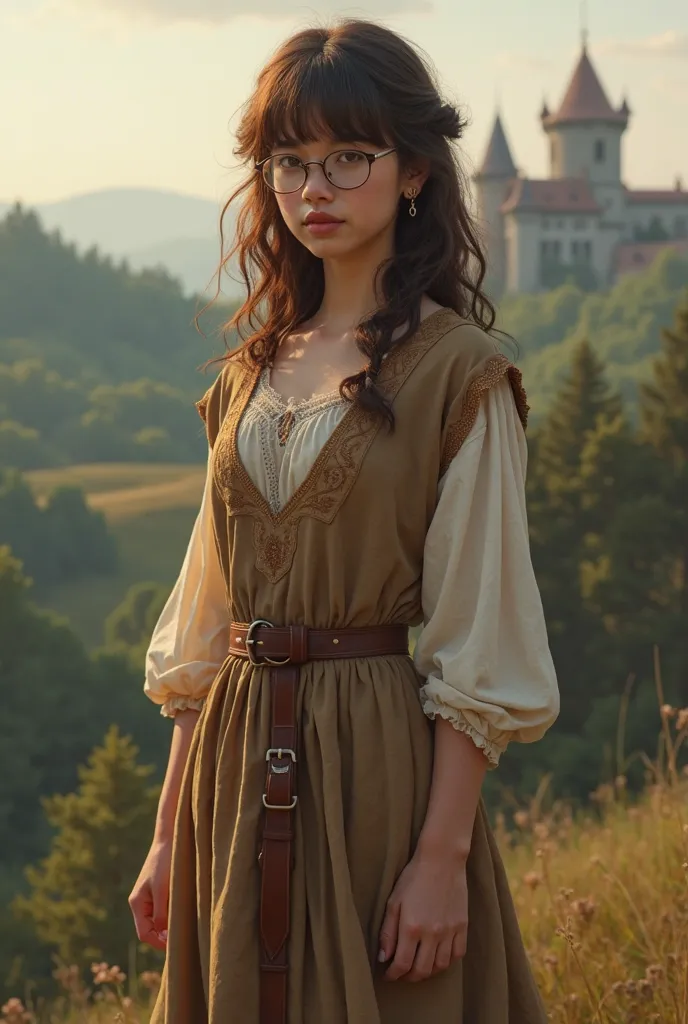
[315,513]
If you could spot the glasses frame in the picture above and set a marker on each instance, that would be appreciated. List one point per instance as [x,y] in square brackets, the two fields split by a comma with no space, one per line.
[370,157]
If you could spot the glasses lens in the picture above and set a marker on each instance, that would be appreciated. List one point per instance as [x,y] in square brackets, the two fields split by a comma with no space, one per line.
[347,168]
[284,173]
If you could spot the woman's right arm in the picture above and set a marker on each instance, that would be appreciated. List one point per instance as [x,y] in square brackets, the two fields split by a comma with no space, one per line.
[187,649]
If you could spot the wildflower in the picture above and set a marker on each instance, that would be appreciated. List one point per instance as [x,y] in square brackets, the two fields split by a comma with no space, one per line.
[103,974]
[541,831]
[14,1012]
[682,719]
[521,819]
[551,960]
[620,781]
[585,908]
[667,711]
[532,879]
[654,972]
[150,979]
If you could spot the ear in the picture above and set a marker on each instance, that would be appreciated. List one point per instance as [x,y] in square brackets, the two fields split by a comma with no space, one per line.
[415,176]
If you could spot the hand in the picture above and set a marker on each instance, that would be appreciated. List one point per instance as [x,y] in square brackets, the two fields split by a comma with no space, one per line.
[149,898]
[426,920]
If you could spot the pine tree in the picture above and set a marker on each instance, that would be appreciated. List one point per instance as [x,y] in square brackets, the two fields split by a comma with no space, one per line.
[561,516]
[583,398]
[78,899]
[664,418]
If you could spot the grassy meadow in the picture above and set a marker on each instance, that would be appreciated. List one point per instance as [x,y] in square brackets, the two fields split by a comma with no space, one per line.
[150,508]
[603,906]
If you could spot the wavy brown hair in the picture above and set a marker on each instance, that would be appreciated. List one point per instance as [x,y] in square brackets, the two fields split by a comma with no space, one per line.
[354,80]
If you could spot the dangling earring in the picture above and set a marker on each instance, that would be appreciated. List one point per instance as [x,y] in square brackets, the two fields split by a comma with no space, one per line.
[413,192]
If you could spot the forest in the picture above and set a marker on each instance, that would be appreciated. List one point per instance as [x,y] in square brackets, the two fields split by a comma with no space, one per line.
[99,366]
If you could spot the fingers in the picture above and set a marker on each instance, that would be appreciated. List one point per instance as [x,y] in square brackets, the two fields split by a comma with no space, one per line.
[443,956]
[419,956]
[149,928]
[390,931]
[459,944]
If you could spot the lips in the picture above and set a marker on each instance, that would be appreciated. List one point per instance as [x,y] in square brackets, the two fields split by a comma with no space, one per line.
[321,218]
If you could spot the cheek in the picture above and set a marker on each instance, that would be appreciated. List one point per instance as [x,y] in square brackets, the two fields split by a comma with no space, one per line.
[375,203]
[290,207]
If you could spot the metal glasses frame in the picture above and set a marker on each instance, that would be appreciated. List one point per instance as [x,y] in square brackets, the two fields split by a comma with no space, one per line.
[370,157]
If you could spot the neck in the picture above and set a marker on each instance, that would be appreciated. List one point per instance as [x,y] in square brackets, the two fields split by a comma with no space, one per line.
[349,286]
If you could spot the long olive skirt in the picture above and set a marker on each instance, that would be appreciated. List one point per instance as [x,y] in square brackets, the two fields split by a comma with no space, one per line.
[364,775]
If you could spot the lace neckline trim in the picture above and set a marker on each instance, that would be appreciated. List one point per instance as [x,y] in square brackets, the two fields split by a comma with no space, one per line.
[274,404]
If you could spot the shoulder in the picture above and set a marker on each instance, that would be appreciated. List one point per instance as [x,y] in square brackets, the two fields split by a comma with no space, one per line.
[465,364]
[213,404]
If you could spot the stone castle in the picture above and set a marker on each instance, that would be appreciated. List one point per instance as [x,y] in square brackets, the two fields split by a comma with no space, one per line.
[583,220]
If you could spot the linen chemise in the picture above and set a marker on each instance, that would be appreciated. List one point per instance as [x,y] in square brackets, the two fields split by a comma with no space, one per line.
[286,529]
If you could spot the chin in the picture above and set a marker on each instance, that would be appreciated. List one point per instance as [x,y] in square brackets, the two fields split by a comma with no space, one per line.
[333,247]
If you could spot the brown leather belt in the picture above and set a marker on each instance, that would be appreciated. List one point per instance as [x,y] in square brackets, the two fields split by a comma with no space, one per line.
[284,649]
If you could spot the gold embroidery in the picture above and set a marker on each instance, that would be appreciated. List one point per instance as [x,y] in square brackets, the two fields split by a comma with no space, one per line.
[335,469]
[495,368]
[202,405]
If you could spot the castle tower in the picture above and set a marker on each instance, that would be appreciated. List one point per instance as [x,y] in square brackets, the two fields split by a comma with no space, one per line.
[492,182]
[585,138]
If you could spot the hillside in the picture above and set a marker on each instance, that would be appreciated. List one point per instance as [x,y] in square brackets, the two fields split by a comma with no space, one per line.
[624,326]
[150,509]
[147,227]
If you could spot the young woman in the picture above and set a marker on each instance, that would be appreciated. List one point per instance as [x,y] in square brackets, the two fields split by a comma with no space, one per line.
[321,819]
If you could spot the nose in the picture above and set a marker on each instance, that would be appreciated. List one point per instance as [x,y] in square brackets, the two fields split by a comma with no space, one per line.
[317,185]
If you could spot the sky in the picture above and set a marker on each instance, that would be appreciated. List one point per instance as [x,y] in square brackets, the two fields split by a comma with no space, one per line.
[99,94]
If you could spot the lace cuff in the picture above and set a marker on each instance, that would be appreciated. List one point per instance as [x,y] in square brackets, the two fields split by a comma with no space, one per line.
[433,708]
[174,704]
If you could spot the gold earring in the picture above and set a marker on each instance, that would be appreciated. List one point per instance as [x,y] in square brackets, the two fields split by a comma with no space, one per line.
[413,192]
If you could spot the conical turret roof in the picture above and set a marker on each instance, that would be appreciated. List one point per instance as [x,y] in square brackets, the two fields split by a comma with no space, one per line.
[498,162]
[585,99]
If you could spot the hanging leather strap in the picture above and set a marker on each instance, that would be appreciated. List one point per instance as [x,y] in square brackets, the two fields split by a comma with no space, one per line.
[284,649]
[276,855]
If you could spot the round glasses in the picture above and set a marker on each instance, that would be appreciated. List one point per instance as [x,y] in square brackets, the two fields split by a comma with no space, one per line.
[346,168]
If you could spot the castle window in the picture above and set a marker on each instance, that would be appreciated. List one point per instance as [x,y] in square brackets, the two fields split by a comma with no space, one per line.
[599,151]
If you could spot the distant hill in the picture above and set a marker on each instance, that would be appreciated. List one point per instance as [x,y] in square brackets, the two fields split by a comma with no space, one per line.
[148,228]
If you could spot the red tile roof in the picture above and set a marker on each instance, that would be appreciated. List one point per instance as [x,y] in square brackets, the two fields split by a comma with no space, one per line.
[585,100]
[555,195]
[676,196]
[631,257]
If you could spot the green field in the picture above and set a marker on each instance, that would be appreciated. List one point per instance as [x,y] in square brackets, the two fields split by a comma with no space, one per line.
[150,508]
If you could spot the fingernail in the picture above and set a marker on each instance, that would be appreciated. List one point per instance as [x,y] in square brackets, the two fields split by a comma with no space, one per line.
[382,956]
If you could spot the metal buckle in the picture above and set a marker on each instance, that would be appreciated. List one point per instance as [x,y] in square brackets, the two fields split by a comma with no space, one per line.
[280,751]
[249,642]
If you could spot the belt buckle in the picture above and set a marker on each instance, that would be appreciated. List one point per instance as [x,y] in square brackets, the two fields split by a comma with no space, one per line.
[249,643]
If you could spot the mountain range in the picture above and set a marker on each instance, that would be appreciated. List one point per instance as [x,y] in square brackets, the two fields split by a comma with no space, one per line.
[147,228]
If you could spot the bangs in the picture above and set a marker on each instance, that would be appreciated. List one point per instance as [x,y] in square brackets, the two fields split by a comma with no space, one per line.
[323,96]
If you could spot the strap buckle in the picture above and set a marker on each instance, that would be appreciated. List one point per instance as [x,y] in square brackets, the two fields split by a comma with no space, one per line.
[249,643]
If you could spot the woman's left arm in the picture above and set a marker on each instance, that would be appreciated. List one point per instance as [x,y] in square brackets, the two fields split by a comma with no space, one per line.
[489,676]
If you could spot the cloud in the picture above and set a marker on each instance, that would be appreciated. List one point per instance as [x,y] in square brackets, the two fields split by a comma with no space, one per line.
[522,62]
[217,12]
[667,44]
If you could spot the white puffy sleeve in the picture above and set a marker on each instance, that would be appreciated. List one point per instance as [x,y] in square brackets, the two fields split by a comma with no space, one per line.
[483,649]
[190,640]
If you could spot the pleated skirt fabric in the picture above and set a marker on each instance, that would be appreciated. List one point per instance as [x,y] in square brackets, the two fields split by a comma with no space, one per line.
[364,773]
